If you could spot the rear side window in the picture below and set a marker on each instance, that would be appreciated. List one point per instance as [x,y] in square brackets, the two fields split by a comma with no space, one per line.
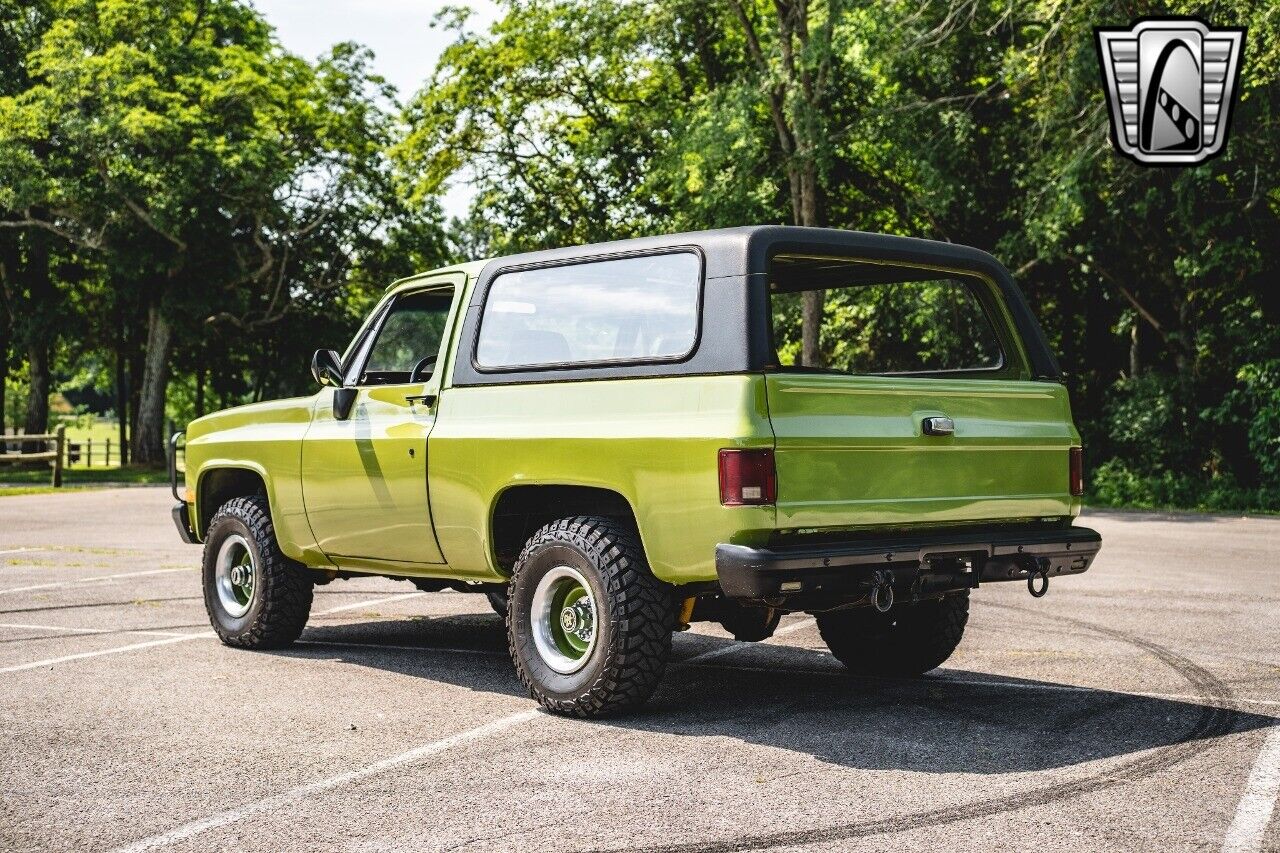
[879,319]
[626,309]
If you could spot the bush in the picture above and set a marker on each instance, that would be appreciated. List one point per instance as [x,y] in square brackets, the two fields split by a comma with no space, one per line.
[1114,483]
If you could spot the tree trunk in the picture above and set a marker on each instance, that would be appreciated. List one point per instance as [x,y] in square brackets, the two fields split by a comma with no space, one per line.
[137,355]
[41,332]
[8,265]
[37,420]
[812,301]
[122,390]
[1135,350]
[148,431]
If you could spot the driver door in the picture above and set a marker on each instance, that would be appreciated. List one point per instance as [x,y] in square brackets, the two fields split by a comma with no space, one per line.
[364,477]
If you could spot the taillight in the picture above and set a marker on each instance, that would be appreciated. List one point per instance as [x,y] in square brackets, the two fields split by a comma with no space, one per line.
[1076,468]
[747,478]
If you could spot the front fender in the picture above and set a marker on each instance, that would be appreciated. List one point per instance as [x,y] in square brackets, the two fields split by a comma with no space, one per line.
[264,439]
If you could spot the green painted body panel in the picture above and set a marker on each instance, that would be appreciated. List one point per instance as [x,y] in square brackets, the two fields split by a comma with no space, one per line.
[850,454]
[851,450]
[653,441]
[364,479]
[265,438]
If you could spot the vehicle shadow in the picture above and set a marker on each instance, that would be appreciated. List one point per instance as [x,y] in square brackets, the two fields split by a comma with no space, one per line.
[795,699]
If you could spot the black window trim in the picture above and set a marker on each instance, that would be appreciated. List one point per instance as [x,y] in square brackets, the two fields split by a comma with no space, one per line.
[733,333]
[364,347]
[979,286]
[596,364]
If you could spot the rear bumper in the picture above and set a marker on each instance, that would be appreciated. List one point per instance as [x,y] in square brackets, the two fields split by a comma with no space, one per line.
[921,563]
[182,519]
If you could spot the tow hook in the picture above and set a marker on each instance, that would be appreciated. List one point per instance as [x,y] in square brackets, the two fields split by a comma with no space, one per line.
[882,590]
[1042,574]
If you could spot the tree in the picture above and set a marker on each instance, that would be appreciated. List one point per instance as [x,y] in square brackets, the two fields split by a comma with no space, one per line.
[796,75]
[229,182]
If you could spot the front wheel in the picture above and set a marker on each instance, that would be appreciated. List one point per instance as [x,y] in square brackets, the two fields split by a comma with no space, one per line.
[257,598]
[908,640]
[589,627]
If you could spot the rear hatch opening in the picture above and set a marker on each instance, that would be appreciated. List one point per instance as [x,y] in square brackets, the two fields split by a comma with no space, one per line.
[920,410]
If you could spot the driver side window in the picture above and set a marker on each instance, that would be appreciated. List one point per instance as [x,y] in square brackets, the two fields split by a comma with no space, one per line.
[408,339]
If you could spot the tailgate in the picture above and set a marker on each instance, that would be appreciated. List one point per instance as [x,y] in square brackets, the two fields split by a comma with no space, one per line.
[852,451]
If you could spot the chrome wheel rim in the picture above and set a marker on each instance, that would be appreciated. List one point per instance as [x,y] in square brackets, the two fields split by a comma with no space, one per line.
[235,576]
[563,615]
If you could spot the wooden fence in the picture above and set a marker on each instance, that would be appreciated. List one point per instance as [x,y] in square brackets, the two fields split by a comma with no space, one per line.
[103,453]
[55,444]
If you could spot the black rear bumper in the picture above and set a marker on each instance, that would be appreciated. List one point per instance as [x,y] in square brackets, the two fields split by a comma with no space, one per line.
[920,563]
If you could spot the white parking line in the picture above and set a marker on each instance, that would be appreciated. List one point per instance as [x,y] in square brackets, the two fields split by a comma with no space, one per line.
[176,638]
[285,798]
[39,664]
[1249,826]
[87,580]
[340,608]
[23,626]
[19,550]
[737,647]
[395,648]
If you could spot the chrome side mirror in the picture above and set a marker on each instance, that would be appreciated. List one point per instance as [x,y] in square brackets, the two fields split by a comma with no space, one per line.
[326,367]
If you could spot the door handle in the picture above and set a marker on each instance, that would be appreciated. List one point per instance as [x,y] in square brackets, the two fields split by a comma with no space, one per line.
[425,399]
[939,426]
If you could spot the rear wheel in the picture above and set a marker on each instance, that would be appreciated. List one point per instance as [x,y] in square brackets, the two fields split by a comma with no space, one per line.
[908,640]
[257,598]
[589,627]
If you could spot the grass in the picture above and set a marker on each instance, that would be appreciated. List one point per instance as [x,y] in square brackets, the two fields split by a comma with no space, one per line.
[14,491]
[142,474]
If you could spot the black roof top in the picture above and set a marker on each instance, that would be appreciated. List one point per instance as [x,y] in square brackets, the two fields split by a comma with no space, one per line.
[737,251]
[744,254]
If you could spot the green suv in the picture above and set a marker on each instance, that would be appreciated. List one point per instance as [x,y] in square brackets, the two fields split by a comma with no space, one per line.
[614,441]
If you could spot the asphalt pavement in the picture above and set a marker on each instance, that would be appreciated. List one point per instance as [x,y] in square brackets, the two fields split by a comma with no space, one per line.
[1136,707]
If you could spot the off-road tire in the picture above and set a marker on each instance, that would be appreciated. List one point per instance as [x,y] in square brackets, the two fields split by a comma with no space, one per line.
[909,640]
[749,624]
[635,616]
[282,596]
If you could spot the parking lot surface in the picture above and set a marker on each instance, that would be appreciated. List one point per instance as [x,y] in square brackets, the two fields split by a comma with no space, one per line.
[1136,707]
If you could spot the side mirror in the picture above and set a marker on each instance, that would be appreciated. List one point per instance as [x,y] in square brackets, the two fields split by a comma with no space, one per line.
[326,367]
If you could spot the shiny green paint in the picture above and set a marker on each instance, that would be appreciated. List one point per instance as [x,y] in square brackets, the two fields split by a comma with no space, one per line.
[243,591]
[266,439]
[851,450]
[850,454]
[654,441]
[569,642]
[364,478]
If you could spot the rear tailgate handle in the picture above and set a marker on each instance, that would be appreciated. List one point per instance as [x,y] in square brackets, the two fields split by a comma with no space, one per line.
[939,426]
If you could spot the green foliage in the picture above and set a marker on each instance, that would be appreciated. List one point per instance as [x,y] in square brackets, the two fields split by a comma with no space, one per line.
[216,207]
[168,165]
[976,123]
